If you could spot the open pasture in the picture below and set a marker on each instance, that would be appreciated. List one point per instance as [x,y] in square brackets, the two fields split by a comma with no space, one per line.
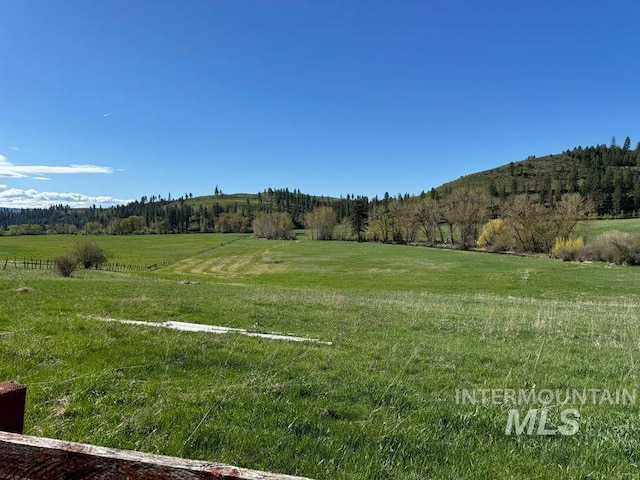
[409,326]
[598,227]
[138,250]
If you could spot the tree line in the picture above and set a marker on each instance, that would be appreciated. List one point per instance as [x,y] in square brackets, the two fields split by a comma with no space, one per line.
[465,218]
[461,220]
[158,215]
[530,215]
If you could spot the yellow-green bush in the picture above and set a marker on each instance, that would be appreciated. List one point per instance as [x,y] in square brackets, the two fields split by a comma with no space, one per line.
[568,249]
[496,236]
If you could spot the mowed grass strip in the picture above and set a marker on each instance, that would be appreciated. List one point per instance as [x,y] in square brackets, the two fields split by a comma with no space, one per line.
[409,326]
[377,267]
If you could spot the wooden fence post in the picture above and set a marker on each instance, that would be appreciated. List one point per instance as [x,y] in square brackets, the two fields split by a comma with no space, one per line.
[12,401]
[34,458]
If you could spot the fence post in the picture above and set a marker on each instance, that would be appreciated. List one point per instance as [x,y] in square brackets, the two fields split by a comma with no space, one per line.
[12,401]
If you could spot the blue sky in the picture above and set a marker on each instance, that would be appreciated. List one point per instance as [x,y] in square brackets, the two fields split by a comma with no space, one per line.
[105,101]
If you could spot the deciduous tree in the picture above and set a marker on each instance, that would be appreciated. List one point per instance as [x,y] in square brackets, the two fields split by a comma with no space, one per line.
[321,221]
[428,216]
[273,226]
[465,211]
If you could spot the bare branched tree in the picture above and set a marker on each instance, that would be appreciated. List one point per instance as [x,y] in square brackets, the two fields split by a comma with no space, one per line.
[428,216]
[571,208]
[321,221]
[531,223]
[465,211]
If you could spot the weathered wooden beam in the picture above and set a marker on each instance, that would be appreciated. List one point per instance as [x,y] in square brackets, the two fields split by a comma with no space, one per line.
[23,457]
[12,401]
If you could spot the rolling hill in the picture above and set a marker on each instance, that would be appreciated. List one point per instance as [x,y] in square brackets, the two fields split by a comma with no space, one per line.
[608,175]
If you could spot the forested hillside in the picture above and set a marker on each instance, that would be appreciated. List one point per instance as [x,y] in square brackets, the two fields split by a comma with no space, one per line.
[607,178]
[607,175]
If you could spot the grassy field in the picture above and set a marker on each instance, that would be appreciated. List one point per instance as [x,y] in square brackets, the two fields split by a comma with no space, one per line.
[137,250]
[598,227]
[409,327]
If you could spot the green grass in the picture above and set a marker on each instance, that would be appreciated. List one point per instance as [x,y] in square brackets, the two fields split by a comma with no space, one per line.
[409,326]
[138,250]
[240,199]
[598,227]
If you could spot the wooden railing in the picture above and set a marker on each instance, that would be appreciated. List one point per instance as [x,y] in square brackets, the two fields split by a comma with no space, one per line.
[24,457]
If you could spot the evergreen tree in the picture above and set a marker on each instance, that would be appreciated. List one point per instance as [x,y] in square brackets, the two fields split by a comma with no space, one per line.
[359,215]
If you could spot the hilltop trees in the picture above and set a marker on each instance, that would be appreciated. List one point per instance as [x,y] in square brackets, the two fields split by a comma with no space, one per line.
[607,175]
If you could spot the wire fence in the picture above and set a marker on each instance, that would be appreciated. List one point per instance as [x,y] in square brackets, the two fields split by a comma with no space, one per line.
[46,264]
[42,264]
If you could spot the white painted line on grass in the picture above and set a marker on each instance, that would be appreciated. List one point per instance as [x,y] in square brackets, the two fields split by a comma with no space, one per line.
[199,327]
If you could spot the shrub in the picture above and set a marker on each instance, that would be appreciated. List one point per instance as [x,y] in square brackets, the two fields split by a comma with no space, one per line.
[66,264]
[568,249]
[89,254]
[496,236]
[615,247]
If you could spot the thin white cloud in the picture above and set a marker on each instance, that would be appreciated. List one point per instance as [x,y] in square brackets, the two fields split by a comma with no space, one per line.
[108,114]
[9,170]
[14,148]
[31,198]
[41,178]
